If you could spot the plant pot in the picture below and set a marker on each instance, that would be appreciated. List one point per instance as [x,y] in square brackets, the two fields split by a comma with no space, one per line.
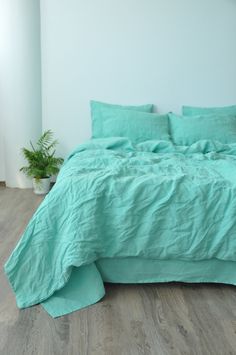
[41,186]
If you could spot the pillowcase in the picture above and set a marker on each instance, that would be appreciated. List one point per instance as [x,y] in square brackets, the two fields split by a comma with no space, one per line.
[137,126]
[97,117]
[191,110]
[188,130]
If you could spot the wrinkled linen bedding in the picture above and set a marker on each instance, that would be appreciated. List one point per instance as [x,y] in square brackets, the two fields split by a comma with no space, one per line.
[113,199]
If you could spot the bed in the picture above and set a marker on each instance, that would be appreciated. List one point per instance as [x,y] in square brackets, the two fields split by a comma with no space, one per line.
[129,212]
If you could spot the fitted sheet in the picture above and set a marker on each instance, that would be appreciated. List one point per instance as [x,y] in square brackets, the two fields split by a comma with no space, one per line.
[86,285]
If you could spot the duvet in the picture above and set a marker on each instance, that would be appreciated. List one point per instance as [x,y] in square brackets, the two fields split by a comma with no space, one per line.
[113,199]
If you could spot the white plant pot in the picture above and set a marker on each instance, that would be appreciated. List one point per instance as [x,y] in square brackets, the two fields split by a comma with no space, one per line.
[42,186]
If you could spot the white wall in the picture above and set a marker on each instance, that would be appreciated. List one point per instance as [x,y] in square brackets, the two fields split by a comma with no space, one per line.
[2,155]
[167,52]
[3,42]
[20,84]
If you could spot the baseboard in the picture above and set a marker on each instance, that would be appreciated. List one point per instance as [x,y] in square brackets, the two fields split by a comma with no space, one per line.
[3,184]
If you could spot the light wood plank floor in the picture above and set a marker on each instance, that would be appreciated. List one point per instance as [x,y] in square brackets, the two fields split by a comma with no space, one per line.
[156,319]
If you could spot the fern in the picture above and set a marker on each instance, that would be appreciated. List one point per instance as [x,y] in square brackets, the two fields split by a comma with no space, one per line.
[41,160]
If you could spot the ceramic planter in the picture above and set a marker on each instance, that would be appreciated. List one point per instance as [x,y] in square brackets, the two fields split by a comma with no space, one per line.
[41,186]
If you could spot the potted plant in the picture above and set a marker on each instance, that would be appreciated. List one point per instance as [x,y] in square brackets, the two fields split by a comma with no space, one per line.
[42,163]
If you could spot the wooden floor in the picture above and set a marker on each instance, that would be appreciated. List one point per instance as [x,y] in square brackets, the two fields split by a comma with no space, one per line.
[132,319]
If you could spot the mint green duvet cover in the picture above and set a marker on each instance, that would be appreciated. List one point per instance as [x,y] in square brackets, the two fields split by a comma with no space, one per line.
[115,200]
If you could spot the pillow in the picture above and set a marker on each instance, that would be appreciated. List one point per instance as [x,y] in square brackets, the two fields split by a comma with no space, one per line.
[188,130]
[96,113]
[191,110]
[137,126]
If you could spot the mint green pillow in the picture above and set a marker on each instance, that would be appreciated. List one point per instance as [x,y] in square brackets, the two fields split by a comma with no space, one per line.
[97,117]
[188,130]
[135,125]
[191,110]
